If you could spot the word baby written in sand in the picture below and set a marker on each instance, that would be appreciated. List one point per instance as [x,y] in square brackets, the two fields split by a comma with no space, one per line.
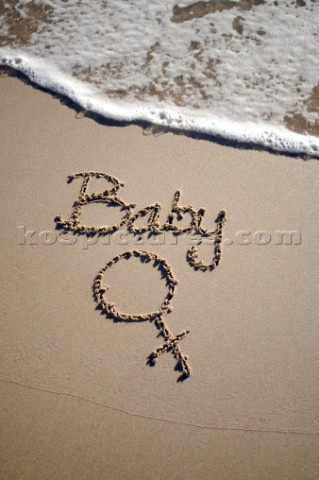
[110,198]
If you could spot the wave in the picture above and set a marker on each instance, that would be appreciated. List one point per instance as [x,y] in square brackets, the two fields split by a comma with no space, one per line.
[231,69]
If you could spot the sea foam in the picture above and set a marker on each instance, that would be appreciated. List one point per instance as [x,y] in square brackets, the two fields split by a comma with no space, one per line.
[245,70]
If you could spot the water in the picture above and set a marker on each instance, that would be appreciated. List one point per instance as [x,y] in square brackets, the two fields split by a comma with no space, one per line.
[247,70]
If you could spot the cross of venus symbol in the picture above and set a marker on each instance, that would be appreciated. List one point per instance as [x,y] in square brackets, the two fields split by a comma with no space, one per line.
[171,342]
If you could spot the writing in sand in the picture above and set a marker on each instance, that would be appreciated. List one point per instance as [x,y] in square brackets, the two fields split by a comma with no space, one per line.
[109,197]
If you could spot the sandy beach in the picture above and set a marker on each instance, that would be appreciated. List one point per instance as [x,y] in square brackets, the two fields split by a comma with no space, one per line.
[78,400]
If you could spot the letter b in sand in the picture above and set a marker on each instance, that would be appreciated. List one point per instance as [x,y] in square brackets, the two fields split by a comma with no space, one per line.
[107,197]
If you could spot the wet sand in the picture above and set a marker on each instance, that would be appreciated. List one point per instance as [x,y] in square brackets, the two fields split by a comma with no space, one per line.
[78,398]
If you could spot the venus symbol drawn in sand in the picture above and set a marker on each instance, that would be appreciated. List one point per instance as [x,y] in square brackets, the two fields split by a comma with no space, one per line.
[171,342]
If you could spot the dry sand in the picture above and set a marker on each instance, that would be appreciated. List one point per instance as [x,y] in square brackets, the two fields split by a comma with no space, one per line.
[77,398]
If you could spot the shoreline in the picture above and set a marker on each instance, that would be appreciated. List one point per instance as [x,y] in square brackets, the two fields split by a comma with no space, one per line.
[155,128]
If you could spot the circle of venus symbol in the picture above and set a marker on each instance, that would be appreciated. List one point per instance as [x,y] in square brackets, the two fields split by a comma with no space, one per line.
[171,342]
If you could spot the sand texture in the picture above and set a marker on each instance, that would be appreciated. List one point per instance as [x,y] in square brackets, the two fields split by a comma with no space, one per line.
[78,397]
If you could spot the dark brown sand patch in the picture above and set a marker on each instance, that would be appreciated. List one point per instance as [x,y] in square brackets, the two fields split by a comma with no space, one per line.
[237,25]
[313,102]
[194,45]
[299,124]
[210,68]
[150,54]
[155,92]
[20,27]
[164,67]
[300,3]
[200,9]
[111,70]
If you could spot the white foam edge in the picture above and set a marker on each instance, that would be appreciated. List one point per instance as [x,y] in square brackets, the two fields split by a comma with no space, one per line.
[87,96]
